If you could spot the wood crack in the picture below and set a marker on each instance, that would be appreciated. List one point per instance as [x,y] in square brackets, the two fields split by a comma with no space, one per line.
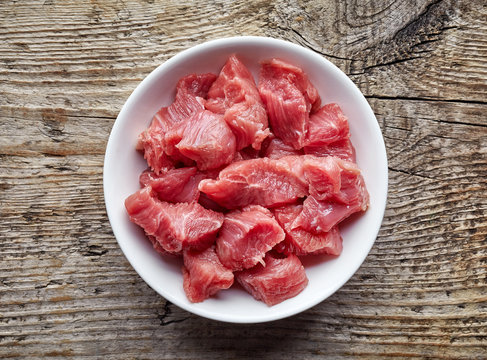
[410,173]
[416,98]
[167,312]
[311,47]
[393,62]
[412,25]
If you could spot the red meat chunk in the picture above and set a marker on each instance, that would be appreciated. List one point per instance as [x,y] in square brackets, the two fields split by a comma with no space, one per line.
[151,142]
[190,92]
[264,181]
[208,140]
[289,97]
[279,280]
[176,185]
[326,126]
[301,242]
[342,149]
[204,275]
[246,236]
[275,148]
[175,226]
[320,217]
[235,95]
[329,176]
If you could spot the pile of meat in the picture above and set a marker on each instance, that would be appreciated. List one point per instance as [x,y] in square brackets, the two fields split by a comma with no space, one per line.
[243,180]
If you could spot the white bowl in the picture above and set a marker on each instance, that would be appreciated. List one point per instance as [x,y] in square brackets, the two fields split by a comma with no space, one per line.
[123,166]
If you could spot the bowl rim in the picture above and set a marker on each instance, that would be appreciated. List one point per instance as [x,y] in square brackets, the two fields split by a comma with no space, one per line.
[209,46]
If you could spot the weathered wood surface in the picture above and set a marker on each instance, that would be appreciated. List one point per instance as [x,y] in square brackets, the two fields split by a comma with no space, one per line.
[66,68]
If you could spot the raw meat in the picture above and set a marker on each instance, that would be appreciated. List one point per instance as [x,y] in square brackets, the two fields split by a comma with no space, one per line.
[246,236]
[208,140]
[204,275]
[216,169]
[175,226]
[329,176]
[301,242]
[341,148]
[275,148]
[190,93]
[319,217]
[289,97]
[235,95]
[326,126]
[279,280]
[151,142]
[337,190]
[176,185]
[264,181]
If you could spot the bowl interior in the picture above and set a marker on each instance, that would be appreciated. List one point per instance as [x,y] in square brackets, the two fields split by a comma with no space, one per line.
[123,166]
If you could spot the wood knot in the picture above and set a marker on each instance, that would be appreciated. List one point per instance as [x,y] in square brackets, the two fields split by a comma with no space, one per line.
[53,121]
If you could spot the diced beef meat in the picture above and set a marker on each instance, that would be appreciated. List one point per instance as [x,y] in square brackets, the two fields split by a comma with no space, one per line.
[264,181]
[176,185]
[208,140]
[151,142]
[246,236]
[204,275]
[235,95]
[328,125]
[301,242]
[275,148]
[190,93]
[216,171]
[328,176]
[279,280]
[289,97]
[320,217]
[175,226]
[342,149]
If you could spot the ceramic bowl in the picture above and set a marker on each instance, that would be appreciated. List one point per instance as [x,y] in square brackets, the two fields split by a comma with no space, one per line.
[123,164]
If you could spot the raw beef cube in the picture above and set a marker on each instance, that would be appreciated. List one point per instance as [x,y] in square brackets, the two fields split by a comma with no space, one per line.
[326,126]
[301,242]
[175,226]
[190,93]
[352,190]
[196,85]
[204,275]
[189,99]
[326,176]
[319,217]
[264,181]
[176,185]
[342,149]
[246,236]
[289,98]
[208,140]
[235,95]
[279,280]
[151,142]
[337,190]
[274,148]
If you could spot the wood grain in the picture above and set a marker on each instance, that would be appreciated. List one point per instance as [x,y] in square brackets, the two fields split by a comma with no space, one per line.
[67,291]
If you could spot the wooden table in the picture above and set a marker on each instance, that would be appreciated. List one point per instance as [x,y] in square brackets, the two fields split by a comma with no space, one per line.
[67,67]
